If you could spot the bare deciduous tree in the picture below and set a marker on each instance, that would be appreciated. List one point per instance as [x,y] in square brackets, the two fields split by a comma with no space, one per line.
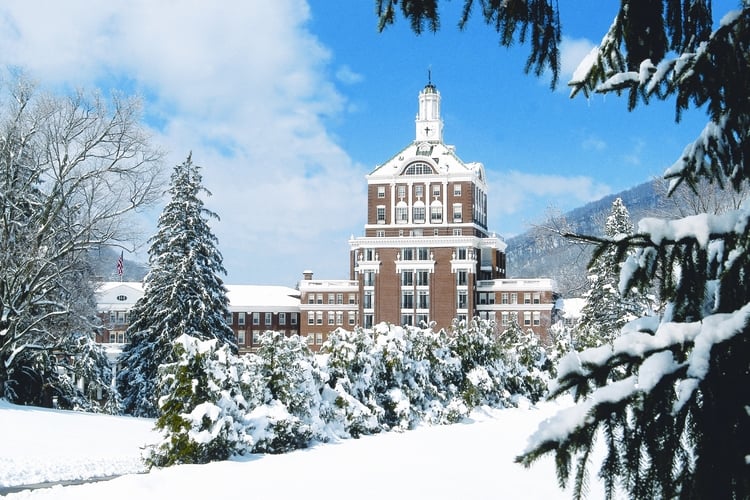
[71,169]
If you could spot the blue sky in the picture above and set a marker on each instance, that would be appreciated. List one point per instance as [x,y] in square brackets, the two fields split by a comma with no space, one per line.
[288,104]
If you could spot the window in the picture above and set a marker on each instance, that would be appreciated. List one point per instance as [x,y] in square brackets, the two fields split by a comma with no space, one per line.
[339,318]
[331,318]
[367,304]
[229,318]
[311,298]
[537,318]
[339,298]
[368,278]
[402,213]
[407,319]
[241,337]
[122,298]
[436,214]
[331,298]
[419,213]
[282,318]
[380,233]
[423,253]
[504,298]
[256,338]
[505,321]
[457,190]
[310,318]
[457,231]
[436,190]
[318,338]
[352,298]
[462,253]
[407,299]
[256,318]
[269,318]
[319,298]
[311,339]
[527,318]
[401,192]
[457,212]
[527,298]
[369,254]
[240,318]
[463,300]
[407,254]
[537,298]
[422,320]
[381,191]
[380,214]
[352,318]
[419,190]
[293,317]
[369,320]
[462,278]
[418,168]
[423,299]
[319,317]
[514,298]
[407,278]
[436,232]
[423,278]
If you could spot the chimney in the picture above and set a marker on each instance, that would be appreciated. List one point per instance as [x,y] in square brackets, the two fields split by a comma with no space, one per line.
[307,275]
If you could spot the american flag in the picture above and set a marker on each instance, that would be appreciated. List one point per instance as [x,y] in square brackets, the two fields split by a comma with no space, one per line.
[120,265]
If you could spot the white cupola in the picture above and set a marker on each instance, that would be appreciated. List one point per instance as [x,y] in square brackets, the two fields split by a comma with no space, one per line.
[429,123]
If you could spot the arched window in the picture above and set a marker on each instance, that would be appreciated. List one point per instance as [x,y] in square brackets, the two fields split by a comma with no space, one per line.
[436,212]
[418,212]
[418,168]
[402,213]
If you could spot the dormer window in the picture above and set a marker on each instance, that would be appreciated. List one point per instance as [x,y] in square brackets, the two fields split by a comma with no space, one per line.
[122,298]
[418,168]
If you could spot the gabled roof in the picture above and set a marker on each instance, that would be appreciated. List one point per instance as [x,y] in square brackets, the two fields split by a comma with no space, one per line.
[440,157]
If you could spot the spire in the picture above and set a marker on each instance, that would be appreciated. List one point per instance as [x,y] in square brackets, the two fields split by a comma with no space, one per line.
[429,124]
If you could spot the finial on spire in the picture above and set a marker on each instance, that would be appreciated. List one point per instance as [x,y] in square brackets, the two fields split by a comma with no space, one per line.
[429,74]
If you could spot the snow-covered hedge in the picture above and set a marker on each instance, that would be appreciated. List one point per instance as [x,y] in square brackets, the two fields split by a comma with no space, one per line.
[215,404]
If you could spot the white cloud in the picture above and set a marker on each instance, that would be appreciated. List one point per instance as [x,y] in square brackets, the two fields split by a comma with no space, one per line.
[572,52]
[518,199]
[593,143]
[346,75]
[243,86]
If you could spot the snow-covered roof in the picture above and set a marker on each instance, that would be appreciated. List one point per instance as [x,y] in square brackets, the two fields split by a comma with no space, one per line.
[441,158]
[122,295]
[263,297]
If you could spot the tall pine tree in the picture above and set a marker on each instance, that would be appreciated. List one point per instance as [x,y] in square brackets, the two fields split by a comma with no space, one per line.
[607,310]
[183,295]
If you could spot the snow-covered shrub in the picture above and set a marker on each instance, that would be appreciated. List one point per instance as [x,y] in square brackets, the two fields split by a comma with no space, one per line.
[481,373]
[201,408]
[348,394]
[526,368]
[287,402]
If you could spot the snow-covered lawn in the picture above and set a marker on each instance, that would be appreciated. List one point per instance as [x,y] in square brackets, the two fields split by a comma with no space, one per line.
[470,460]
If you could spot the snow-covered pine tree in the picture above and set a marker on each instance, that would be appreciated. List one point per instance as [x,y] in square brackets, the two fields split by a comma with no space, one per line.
[677,425]
[606,310]
[201,412]
[183,295]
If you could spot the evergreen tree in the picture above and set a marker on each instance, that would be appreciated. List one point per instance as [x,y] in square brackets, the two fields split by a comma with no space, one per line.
[183,293]
[676,425]
[201,412]
[607,310]
[286,410]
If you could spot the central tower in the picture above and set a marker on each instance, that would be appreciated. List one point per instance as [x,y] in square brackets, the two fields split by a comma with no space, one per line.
[426,243]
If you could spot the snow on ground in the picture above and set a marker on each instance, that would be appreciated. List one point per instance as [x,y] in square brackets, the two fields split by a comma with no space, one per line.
[473,459]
